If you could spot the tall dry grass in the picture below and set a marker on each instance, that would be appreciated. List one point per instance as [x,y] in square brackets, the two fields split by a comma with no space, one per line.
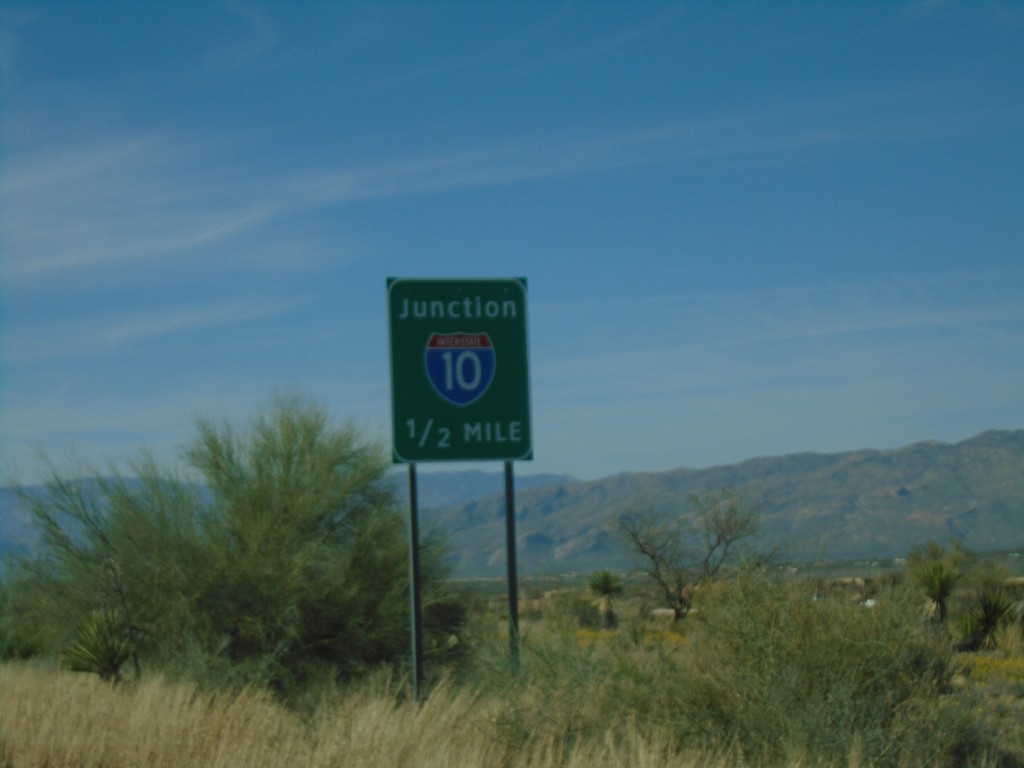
[764,676]
[55,719]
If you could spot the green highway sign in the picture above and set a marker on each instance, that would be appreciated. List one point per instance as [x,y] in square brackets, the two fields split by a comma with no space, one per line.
[460,385]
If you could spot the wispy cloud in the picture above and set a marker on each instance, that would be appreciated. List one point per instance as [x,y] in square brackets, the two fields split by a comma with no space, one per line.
[256,38]
[521,161]
[73,337]
[144,196]
[116,201]
[151,325]
[655,344]
[115,429]
[526,53]
[693,379]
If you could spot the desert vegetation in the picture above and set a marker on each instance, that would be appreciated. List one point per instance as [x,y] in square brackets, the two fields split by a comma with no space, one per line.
[685,551]
[761,674]
[256,613]
[280,561]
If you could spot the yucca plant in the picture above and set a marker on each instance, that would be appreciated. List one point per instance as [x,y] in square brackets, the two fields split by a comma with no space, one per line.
[98,648]
[937,571]
[992,609]
[606,585]
[938,578]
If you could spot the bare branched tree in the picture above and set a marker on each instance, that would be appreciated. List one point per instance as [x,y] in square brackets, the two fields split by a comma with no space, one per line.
[684,552]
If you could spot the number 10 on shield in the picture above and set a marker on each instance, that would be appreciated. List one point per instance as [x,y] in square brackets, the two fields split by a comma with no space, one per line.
[460,366]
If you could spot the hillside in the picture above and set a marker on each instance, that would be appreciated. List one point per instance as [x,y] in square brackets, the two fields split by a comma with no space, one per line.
[858,504]
[438,490]
[833,506]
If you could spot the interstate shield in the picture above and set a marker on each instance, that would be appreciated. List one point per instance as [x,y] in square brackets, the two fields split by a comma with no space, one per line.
[460,366]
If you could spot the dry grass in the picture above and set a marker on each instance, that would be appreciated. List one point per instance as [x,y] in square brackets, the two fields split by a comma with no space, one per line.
[56,719]
[640,697]
[53,719]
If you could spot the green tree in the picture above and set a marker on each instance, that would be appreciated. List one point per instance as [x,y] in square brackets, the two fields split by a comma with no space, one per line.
[682,553]
[285,563]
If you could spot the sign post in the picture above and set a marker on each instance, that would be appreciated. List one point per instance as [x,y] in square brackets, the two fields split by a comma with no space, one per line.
[460,392]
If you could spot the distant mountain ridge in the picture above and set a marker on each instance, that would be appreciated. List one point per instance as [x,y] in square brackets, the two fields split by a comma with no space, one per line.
[847,505]
[436,490]
[855,504]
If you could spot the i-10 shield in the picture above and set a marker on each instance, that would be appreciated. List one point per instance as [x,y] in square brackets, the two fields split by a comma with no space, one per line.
[460,366]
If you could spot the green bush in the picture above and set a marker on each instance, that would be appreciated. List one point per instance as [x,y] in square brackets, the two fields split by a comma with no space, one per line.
[553,696]
[587,614]
[780,675]
[764,675]
[287,563]
[18,639]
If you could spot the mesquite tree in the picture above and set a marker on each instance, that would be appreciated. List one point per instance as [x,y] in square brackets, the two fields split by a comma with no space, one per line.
[282,561]
[683,552]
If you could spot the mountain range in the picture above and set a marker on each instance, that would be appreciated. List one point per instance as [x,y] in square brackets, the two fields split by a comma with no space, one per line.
[836,506]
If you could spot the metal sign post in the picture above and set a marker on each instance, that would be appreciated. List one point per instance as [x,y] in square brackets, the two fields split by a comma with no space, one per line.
[459,392]
[415,602]
[513,580]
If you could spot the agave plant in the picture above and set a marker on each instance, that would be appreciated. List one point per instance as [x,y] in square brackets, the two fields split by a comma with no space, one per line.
[99,648]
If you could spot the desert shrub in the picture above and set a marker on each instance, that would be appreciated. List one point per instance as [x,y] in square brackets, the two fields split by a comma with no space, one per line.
[937,570]
[605,585]
[18,640]
[556,691]
[1009,637]
[588,615]
[445,621]
[101,647]
[690,549]
[780,675]
[286,564]
[989,612]
[576,684]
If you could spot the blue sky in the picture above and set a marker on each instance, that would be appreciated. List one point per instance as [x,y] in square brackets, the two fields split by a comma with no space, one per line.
[748,228]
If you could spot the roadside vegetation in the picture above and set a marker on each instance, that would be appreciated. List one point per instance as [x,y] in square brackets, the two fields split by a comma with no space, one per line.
[256,614]
[279,561]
